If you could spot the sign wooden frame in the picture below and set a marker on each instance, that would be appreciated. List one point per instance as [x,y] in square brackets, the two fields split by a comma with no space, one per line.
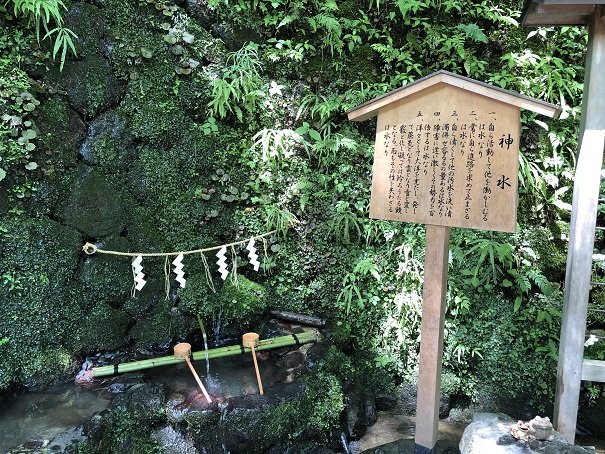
[429,173]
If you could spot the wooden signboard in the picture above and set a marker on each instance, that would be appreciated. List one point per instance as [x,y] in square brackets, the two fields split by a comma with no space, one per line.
[446,155]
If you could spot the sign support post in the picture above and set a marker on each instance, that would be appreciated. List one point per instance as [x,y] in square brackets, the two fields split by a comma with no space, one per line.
[431,337]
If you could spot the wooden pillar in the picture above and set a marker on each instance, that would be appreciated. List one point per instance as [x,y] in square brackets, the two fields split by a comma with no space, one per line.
[431,338]
[581,239]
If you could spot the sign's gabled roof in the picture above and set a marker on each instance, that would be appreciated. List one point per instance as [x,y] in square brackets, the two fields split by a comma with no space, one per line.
[370,109]
[557,12]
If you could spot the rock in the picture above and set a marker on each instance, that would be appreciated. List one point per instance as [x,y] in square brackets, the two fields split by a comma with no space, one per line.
[172,441]
[65,443]
[94,207]
[491,433]
[108,140]
[90,82]
[385,402]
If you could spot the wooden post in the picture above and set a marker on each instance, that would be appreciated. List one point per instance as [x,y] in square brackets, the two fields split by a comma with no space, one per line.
[581,239]
[431,338]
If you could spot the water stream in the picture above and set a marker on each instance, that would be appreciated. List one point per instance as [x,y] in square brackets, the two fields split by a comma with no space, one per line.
[45,414]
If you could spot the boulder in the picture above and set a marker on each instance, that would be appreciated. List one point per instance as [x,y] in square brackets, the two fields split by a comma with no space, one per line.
[491,432]
[95,206]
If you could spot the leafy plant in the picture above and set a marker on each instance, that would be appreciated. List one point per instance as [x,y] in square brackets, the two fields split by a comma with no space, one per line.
[279,219]
[351,281]
[42,14]
[238,84]
[344,223]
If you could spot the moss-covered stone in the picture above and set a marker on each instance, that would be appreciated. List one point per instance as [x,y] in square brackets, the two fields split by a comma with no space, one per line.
[109,141]
[126,428]
[37,259]
[107,278]
[161,326]
[94,207]
[103,328]
[91,85]
[62,132]
[236,302]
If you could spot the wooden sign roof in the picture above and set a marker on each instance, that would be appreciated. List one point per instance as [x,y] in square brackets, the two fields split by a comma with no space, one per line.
[537,13]
[446,152]
[370,109]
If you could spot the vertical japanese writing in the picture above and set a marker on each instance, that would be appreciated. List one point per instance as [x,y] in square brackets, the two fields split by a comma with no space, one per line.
[401,154]
[447,167]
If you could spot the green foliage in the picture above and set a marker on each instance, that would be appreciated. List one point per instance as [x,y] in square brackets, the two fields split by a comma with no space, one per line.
[226,145]
[238,86]
[279,220]
[235,303]
[18,130]
[344,224]
[38,311]
[493,337]
[43,14]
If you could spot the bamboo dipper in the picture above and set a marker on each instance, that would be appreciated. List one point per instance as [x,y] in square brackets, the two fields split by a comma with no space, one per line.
[250,340]
[183,351]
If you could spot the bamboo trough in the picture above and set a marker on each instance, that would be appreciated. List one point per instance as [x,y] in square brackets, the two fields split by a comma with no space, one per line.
[264,344]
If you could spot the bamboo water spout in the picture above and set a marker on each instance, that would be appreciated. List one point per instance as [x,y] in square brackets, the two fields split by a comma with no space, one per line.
[183,351]
[250,340]
[264,344]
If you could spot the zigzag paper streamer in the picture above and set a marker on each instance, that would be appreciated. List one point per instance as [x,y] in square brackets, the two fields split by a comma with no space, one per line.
[222,263]
[137,269]
[252,255]
[178,270]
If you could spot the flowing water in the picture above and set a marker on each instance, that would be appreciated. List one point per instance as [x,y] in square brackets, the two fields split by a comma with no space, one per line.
[45,414]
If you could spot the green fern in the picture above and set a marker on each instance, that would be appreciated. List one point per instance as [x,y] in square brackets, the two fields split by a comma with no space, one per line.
[473,32]
[279,219]
[344,224]
[239,84]
[540,280]
[332,31]
[277,144]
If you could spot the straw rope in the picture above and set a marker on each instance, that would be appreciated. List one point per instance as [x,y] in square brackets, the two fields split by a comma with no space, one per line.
[91,249]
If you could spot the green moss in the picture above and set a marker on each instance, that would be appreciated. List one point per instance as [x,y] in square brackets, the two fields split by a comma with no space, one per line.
[235,303]
[107,278]
[161,326]
[38,312]
[127,427]
[324,401]
[61,133]
[94,206]
[104,328]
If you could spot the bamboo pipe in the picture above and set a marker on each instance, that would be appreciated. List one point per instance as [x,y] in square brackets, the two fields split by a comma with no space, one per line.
[250,340]
[264,344]
[183,351]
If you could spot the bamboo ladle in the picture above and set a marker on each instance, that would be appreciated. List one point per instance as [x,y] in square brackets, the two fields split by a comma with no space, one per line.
[183,351]
[250,340]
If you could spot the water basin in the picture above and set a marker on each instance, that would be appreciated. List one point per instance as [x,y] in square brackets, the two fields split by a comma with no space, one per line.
[45,414]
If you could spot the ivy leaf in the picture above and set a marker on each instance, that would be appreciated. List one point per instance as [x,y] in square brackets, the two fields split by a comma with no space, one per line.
[2,174]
